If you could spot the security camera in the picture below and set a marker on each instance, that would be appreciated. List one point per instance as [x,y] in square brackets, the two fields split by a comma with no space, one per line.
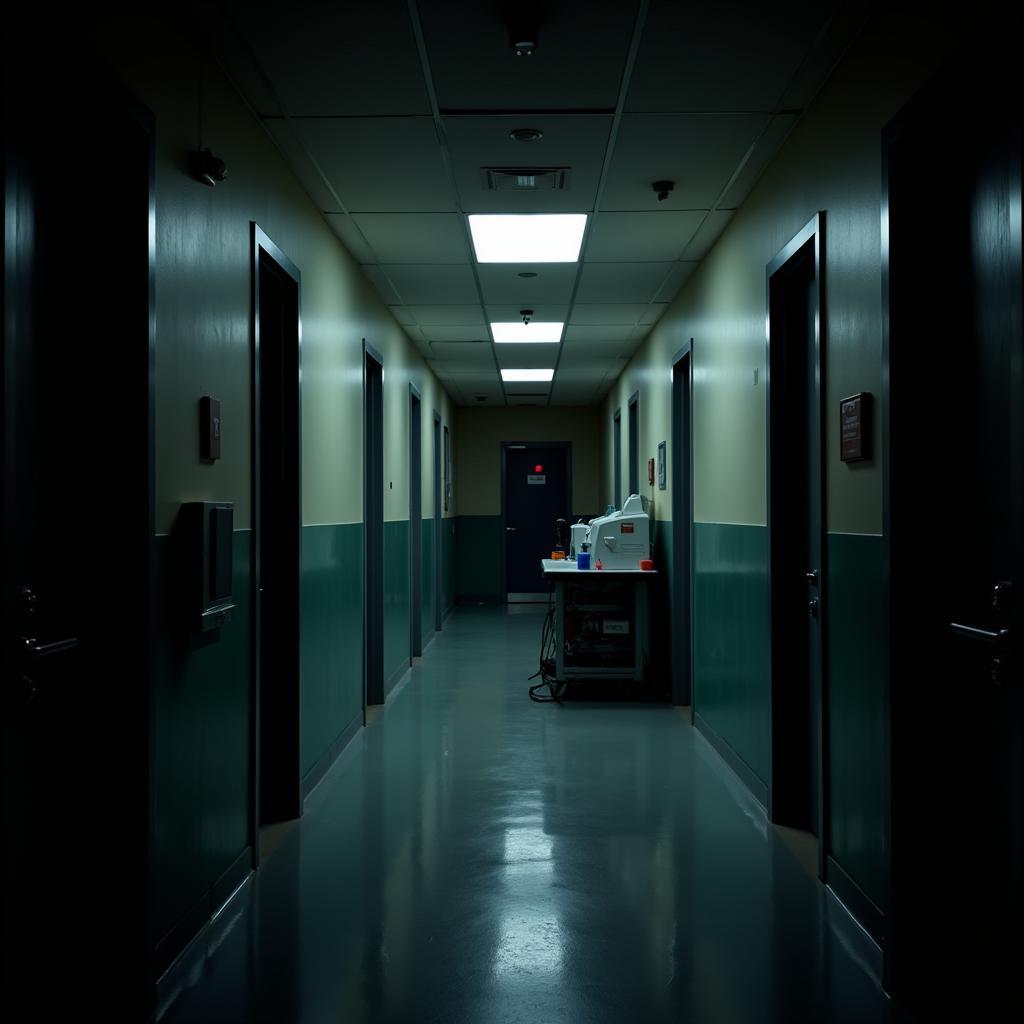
[526,314]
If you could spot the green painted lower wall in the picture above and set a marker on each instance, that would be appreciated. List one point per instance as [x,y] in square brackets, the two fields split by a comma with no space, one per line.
[397,612]
[331,693]
[479,548]
[732,681]
[856,609]
[427,580]
[663,614]
[201,741]
[448,561]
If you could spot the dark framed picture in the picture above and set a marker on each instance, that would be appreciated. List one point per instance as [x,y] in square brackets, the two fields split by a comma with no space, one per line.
[661,465]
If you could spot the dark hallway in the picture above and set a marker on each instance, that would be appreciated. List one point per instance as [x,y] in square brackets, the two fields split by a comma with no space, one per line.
[475,857]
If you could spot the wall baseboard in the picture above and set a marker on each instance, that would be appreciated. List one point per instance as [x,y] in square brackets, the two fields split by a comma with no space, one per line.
[850,930]
[396,677]
[858,904]
[740,767]
[330,755]
[187,943]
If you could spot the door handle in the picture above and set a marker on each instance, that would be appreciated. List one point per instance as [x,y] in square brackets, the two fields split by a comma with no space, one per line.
[997,639]
[510,529]
[812,577]
[985,636]
[37,649]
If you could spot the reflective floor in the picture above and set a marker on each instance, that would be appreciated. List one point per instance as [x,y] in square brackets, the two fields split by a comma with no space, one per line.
[474,857]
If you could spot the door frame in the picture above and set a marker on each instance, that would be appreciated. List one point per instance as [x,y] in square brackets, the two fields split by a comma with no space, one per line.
[415,522]
[262,247]
[633,442]
[438,517]
[812,233]
[373,540]
[505,447]
[682,537]
[617,457]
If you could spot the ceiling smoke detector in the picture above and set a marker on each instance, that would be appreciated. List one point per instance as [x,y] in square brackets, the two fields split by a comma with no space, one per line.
[526,314]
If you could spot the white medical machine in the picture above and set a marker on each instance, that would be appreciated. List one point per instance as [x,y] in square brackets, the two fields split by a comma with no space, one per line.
[619,539]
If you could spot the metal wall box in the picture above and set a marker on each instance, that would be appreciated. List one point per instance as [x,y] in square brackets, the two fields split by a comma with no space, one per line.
[209,529]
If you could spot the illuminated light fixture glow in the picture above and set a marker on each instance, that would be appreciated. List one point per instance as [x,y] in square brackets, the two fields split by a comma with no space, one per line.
[517,331]
[528,237]
[516,376]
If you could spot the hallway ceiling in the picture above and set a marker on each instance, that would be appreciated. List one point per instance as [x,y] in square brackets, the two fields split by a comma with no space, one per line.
[387,111]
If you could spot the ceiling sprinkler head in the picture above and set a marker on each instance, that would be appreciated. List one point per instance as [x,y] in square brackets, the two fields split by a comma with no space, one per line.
[663,188]
[526,135]
[523,43]
[526,314]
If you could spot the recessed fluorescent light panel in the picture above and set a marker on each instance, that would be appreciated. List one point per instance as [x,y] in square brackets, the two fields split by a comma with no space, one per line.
[513,376]
[527,238]
[518,331]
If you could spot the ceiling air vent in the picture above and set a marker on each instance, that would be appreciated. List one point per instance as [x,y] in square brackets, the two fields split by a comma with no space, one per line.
[525,179]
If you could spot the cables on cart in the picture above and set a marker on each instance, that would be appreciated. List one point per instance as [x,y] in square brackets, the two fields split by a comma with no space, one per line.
[546,671]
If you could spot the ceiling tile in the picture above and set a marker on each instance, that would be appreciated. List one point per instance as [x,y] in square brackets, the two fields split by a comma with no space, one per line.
[380,164]
[501,283]
[577,354]
[617,333]
[699,152]
[605,314]
[403,315]
[351,237]
[521,357]
[764,152]
[722,56]
[537,388]
[463,357]
[542,313]
[622,282]
[654,312]
[474,67]
[294,151]
[708,234]
[677,277]
[483,141]
[432,314]
[415,237]
[455,332]
[650,236]
[422,283]
[319,60]
[383,285]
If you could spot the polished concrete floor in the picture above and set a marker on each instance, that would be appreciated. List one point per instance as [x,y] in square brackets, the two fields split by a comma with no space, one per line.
[475,857]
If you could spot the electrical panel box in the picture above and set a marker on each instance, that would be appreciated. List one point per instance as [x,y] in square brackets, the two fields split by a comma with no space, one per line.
[209,529]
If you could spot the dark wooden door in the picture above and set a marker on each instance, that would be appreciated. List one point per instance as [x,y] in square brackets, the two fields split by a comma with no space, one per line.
[955,520]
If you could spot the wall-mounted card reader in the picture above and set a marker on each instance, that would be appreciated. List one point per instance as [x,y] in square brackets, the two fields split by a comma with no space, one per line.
[209,530]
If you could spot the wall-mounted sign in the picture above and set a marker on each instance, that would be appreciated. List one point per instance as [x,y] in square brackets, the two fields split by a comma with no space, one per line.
[537,478]
[661,465]
[854,419]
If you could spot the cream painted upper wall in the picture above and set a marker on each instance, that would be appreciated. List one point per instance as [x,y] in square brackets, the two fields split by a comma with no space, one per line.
[831,162]
[203,301]
[478,437]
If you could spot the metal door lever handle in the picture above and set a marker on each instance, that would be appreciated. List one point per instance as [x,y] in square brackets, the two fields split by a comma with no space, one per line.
[510,529]
[38,649]
[986,636]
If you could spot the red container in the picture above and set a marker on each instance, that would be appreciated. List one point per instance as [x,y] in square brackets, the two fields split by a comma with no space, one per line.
[647,564]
